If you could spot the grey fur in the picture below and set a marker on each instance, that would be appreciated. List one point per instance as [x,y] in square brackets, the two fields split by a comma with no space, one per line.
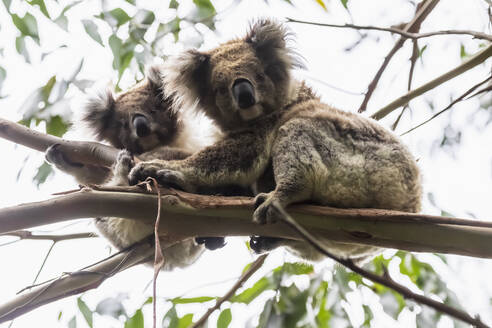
[318,153]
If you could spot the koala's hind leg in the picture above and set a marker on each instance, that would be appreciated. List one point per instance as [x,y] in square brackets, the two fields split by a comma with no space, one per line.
[84,174]
[292,159]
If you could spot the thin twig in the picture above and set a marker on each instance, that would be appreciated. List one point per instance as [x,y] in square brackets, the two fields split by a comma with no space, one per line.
[244,277]
[44,262]
[422,12]
[383,280]
[28,235]
[460,98]
[473,61]
[406,34]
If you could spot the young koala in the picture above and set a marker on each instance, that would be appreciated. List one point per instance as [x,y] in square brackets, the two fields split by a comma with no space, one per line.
[140,121]
[317,153]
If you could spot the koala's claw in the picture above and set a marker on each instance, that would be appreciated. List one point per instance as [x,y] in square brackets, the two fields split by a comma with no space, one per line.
[171,178]
[124,161]
[54,155]
[211,243]
[140,172]
[265,212]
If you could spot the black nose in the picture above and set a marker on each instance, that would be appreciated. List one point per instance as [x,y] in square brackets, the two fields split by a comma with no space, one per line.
[141,125]
[243,93]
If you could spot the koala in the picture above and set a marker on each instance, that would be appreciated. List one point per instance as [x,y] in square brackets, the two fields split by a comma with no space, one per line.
[271,121]
[141,122]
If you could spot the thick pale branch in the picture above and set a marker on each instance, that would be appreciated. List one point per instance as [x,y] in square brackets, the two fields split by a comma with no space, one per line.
[77,151]
[473,61]
[25,234]
[192,215]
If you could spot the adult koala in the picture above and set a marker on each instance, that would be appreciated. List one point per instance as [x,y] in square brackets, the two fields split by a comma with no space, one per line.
[318,153]
[141,122]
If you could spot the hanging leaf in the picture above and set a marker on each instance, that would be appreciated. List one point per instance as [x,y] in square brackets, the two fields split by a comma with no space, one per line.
[171,319]
[136,321]
[41,5]
[173,4]
[44,171]
[62,20]
[202,299]
[322,4]
[27,25]
[84,309]
[20,46]
[144,17]
[91,28]
[72,323]
[56,126]
[224,319]
[7,4]
[186,321]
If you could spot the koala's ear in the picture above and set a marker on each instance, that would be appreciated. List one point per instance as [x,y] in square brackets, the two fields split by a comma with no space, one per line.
[186,77]
[154,76]
[98,113]
[269,39]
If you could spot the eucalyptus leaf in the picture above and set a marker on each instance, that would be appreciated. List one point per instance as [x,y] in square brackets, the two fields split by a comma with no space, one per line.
[186,321]
[27,25]
[56,126]
[20,46]
[202,299]
[92,30]
[41,5]
[136,321]
[224,319]
[84,309]
[110,306]
[44,171]
[171,319]
[72,323]
[173,4]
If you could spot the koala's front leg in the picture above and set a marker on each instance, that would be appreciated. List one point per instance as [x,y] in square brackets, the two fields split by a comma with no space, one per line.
[84,174]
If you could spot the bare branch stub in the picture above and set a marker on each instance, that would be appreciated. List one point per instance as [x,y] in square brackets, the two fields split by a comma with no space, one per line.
[384,280]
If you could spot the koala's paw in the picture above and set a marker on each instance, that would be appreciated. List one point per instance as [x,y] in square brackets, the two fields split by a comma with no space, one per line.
[164,177]
[264,210]
[55,156]
[124,163]
[211,243]
[260,244]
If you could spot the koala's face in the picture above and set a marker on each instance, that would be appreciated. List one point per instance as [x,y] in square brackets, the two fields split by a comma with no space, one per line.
[238,81]
[139,119]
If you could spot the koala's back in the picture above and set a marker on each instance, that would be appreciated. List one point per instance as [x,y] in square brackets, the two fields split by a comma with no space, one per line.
[350,161]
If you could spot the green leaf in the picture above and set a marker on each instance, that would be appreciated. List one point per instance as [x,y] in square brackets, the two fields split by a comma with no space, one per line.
[120,15]
[186,321]
[171,319]
[204,13]
[133,2]
[202,299]
[59,315]
[44,171]
[463,53]
[144,17]
[3,75]
[84,309]
[62,20]
[72,323]
[27,25]
[173,4]
[7,4]
[296,268]
[250,294]
[224,319]
[20,46]
[344,3]
[421,51]
[47,88]
[91,28]
[41,5]
[265,314]
[56,126]
[136,321]
[322,4]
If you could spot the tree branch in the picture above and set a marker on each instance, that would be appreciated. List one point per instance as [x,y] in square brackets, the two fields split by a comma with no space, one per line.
[244,277]
[76,282]
[422,12]
[473,61]
[383,280]
[460,98]
[24,234]
[77,151]
[191,215]
[408,35]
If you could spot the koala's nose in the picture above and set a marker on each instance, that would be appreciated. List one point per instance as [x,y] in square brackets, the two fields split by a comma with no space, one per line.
[141,125]
[244,93]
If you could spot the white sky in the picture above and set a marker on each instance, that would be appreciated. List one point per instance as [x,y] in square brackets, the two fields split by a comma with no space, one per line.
[461,182]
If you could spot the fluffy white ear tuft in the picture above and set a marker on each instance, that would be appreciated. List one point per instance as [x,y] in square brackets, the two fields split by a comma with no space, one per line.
[98,111]
[185,78]
[154,75]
